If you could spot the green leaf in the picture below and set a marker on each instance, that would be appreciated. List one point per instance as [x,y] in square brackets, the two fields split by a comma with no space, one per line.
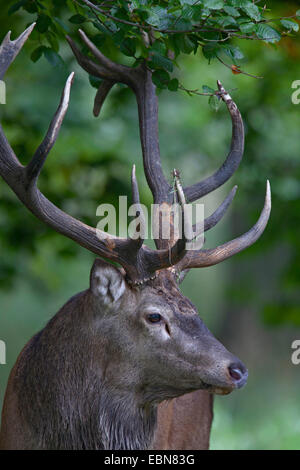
[214,102]
[173,84]
[187,12]
[160,78]
[62,24]
[31,7]
[135,4]
[100,27]
[233,52]
[37,53]
[16,6]
[214,4]
[198,13]
[128,47]
[188,2]
[231,11]
[290,25]
[98,40]
[248,27]
[210,51]
[226,21]
[51,38]
[298,14]
[207,89]
[156,16]
[159,61]
[158,46]
[53,57]
[252,10]
[77,19]
[183,24]
[43,23]
[184,43]
[267,33]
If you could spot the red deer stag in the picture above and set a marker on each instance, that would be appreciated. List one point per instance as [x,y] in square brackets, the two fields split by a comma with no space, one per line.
[96,376]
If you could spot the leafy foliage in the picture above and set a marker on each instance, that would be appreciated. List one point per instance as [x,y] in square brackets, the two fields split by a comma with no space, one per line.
[156,31]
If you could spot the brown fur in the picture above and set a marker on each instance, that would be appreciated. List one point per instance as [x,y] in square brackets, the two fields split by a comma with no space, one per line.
[185,422]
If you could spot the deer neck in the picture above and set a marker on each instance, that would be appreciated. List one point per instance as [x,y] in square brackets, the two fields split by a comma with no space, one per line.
[124,423]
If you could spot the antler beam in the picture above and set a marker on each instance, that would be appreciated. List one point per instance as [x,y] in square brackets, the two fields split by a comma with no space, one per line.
[140,80]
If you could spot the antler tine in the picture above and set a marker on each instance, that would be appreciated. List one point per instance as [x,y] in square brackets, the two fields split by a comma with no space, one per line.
[180,245]
[87,64]
[9,163]
[234,156]
[209,223]
[124,73]
[205,258]
[218,214]
[109,71]
[33,169]
[136,200]
[19,178]
[102,92]
[10,49]
[168,257]
[134,187]
[171,256]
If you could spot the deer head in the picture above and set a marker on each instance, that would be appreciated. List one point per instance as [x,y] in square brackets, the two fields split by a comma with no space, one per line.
[156,346]
[157,332]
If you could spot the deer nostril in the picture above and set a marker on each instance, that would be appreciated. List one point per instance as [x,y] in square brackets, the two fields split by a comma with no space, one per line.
[235,373]
[238,373]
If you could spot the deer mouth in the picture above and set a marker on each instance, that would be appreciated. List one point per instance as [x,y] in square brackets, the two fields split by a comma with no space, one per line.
[217,390]
[220,391]
[225,390]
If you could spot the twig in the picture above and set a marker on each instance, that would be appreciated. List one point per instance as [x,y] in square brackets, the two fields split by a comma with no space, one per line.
[196,92]
[238,70]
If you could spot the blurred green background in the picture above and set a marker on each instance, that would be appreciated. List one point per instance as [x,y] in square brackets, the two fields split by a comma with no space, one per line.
[251,303]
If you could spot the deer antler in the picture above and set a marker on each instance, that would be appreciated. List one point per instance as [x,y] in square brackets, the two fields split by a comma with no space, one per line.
[141,83]
[139,261]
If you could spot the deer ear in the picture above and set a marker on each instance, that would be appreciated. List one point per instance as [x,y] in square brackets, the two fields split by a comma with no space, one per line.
[106,282]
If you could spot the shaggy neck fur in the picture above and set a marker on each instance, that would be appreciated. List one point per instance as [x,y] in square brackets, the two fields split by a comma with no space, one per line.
[66,404]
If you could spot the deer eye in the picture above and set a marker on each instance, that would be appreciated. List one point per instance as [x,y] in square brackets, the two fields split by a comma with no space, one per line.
[154,317]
